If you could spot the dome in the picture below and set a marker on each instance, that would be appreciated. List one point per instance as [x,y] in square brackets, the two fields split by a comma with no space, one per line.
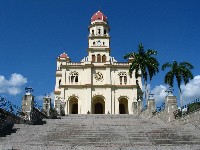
[64,55]
[99,16]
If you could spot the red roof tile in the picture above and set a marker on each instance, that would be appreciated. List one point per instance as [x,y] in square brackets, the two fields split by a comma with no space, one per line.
[99,16]
[64,55]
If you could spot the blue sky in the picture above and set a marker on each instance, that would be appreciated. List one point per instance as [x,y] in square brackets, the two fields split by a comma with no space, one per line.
[33,33]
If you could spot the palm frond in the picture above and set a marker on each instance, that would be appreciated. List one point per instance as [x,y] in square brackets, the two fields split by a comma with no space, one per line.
[141,48]
[129,55]
[144,62]
[169,78]
[150,52]
[187,64]
[166,65]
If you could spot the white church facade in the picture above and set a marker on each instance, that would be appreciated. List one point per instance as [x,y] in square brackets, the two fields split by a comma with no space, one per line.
[98,84]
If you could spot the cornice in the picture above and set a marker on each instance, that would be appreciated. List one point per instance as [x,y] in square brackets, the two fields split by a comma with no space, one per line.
[99,37]
[97,86]
[98,49]
[57,92]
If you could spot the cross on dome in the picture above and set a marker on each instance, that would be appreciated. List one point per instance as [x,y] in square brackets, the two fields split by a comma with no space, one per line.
[99,16]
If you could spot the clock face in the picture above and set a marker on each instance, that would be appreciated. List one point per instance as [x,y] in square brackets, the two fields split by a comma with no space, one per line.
[98,76]
[99,43]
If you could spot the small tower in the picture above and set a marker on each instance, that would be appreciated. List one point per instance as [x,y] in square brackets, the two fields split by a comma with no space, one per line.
[62,60]
[27,103]
[47,104]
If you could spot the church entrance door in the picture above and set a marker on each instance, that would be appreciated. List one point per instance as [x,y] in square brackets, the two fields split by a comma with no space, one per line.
[98,106]
[75,109]
[123,106]
[122,109]
[73,106]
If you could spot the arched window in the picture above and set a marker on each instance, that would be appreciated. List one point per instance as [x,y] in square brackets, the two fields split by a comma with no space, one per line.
[99,31]
[93,58]
[125,79]
[122,78]
[104,58]
[93,43]
[59,82]
[92,32]
[104,31]
[98,58]
[73,77]
[76,79]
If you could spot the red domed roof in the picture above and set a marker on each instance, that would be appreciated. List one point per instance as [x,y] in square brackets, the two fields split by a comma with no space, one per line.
[99,16]
[64,55]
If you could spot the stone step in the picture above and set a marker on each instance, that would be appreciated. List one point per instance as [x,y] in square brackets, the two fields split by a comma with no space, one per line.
[102,132]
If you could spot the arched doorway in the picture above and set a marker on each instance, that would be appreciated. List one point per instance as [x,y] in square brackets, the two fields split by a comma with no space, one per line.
[123,106]
[75,109]
[98,106]
[73,106]
[122,109]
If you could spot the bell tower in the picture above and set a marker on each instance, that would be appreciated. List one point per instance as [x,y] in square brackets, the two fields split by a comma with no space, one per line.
[99,39]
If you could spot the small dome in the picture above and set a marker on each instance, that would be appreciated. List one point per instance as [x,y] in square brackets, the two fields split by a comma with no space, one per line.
[64,55]
[99,16]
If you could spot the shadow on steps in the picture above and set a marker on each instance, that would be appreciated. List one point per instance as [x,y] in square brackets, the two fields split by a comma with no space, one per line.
[8,130]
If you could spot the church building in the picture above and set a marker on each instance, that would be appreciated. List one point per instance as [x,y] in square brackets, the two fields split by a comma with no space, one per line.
[98,84]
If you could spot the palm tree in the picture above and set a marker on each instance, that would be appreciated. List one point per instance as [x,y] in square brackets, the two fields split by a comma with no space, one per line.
[180,71]
[144,62]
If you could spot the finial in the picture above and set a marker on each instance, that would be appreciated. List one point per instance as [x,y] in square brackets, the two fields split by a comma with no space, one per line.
[170,91]
[29,90]
[151,95]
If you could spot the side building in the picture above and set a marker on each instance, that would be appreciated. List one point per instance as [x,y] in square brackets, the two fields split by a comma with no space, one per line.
[98,84]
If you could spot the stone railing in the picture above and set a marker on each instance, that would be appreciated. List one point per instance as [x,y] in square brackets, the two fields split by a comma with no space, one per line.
[121,64]
[188,108]
[73,64]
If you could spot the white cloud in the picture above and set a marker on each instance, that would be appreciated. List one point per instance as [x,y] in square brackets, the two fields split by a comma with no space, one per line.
[191,90]
[13,85]
[17,80]
[159,93]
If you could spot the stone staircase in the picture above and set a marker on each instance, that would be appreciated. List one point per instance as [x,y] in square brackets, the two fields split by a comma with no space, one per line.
[110,132]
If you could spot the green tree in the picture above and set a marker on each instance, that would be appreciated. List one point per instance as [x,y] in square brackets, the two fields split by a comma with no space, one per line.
[180,71]
[145,62]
